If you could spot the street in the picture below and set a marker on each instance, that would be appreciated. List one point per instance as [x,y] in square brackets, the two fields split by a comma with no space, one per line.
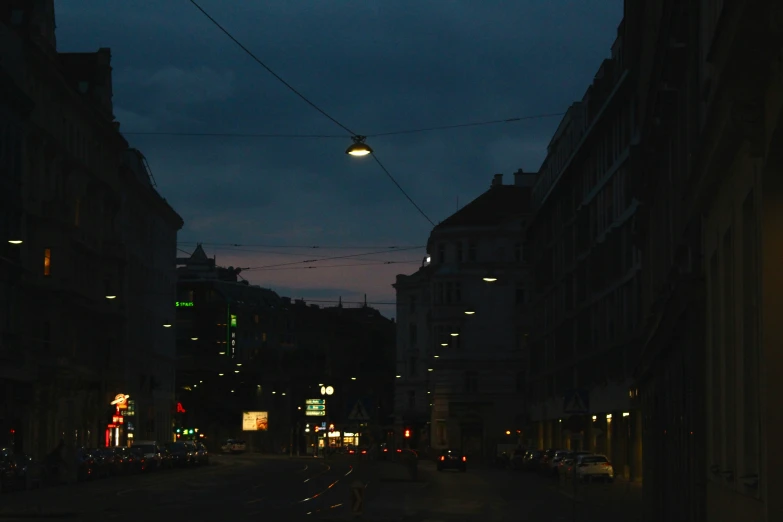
[233,488]
[247,487]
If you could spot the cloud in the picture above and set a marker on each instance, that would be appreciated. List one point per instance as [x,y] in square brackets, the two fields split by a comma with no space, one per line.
[378,66]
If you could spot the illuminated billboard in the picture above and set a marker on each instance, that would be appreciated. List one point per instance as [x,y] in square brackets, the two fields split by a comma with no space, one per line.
[255,421]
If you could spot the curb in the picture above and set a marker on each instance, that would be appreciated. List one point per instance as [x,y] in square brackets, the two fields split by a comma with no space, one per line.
[36,514]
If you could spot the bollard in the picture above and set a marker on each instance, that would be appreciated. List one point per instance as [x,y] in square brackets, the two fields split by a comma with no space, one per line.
[357,498]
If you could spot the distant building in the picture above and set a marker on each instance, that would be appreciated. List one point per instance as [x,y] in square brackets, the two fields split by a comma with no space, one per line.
[226,330]
[460,335]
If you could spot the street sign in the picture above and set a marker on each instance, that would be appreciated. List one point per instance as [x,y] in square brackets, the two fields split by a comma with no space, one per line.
[315,401]
[359,411]
[576,401]
[315,407]
[357,497]
[311,413]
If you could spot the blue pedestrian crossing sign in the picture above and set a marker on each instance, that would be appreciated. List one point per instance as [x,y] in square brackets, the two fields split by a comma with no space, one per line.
[576,402]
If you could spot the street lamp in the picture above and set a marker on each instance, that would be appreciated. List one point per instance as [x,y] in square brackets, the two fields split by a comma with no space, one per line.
[15,241]
[470,311]
[111,297]
[166,326]
[358,147]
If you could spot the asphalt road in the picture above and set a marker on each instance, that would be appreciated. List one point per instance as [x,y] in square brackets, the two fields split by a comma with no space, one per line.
[248,487]
[234,488]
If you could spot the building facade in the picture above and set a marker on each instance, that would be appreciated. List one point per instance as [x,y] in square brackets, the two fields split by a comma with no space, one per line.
[740,165]
[147,245]
[467,365]
[16,372]
[585,267]
[71,311]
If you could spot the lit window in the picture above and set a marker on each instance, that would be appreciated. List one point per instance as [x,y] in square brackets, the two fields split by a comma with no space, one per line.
[77,213]
[47,261]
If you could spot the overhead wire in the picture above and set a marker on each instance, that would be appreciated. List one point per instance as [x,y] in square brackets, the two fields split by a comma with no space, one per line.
[270,71]
[326,259]
[343,136]
[377,263]
[347,302]
[321,247]
[354,135]
[235,135]
[417,207]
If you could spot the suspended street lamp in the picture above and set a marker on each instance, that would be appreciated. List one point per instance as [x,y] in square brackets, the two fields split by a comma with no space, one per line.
[359,148]
[470,311]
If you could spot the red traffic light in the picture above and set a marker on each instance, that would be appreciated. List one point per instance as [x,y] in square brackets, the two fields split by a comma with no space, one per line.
[407,434]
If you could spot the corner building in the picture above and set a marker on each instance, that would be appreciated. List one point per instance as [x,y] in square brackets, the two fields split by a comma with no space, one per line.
[466,365]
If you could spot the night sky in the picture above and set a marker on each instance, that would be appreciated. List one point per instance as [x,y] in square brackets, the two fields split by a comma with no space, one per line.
[376,66]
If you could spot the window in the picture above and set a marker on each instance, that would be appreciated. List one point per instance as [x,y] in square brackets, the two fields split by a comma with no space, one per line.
[518,252]
[411,399]
[472,252]
[256,319]
[459,253]
[413,304]
[412,366]
[449,289]
[441,253]
[47,261]
[414,335]
[77,212]
[471,382]
[458,292]
[521,384]
[520,294]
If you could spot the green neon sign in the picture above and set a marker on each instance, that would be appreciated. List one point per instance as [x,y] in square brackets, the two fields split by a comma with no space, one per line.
[184,304]
[233,321]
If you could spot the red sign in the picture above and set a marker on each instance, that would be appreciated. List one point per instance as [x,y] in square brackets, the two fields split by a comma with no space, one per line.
[180,408]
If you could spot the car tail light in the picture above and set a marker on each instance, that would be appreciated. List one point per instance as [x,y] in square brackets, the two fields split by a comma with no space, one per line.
[399,451]
[464,459]
[607,464]
[442,457]
[385,450]
[364,451]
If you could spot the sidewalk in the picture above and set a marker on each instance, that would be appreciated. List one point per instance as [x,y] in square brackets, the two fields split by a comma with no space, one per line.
[619,501]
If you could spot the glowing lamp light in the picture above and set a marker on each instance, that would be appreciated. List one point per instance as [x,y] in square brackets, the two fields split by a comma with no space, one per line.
[166,326]
[444,344]
[111,297]
[358,147]
[470,311]
[15,241]
[399,376]
[455,334]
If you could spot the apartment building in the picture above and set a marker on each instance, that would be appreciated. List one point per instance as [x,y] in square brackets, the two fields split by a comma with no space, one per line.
[586,271]
[460,335]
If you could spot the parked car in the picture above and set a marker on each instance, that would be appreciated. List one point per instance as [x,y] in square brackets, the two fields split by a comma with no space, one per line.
[591,467]
[234,446]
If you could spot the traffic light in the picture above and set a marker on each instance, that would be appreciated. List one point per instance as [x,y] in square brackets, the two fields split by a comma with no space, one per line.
[407,434]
